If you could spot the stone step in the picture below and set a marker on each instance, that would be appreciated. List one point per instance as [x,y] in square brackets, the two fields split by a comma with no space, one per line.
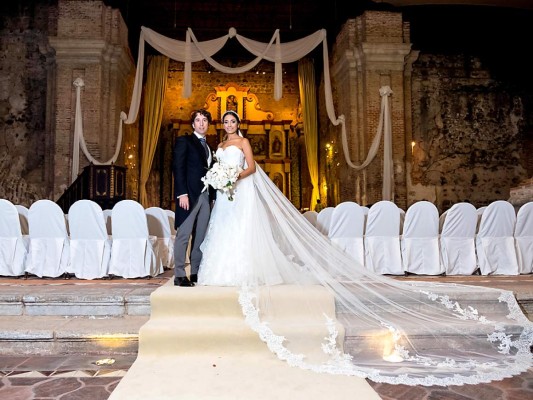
[75,300]
[48,335]
[74,318]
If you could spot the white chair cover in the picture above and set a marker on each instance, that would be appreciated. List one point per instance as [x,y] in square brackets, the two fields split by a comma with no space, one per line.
[495,247]
[49,241]
[323,220]
[457,240]
[311,216]
[523,236]
[159,226]
[382,239]
[23,217]
[90,245]
[132,253]
[107,218]
[13,244]
[346,230]
[420,240]
[171,218]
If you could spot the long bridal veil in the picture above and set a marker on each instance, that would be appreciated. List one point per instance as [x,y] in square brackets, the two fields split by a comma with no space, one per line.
[415,333]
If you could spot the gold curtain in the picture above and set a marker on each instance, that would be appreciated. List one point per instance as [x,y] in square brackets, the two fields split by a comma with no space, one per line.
[154,97]
[306,81]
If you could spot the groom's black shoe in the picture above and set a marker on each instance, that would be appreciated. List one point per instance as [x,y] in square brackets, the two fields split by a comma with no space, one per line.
[182,281]
[194,278]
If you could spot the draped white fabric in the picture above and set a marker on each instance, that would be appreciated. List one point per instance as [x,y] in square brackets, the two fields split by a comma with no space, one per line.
[347,229]
[79,139]
[49,241]
[495,240]
[420,240]
[384,130]
[523,235]
[323,220]
[457,239]
[192,51]
[13,244]
[382,239]
[132,254]
[90,245]
[159,226]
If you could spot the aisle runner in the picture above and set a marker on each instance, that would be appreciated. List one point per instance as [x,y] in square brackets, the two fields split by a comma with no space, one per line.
[196,345]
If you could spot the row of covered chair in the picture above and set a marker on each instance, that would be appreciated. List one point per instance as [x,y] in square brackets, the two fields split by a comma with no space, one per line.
[462,241]
[127,241]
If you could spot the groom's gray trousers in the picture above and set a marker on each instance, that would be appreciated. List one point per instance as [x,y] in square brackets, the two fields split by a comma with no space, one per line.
[195,225]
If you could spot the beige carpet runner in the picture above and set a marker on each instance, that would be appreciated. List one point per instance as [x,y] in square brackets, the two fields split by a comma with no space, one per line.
[196,345]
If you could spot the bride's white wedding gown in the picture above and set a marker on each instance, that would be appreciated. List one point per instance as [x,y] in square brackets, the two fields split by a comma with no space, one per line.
[416,333]
[238,249]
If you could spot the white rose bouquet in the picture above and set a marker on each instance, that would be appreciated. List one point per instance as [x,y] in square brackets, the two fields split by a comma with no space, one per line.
[222,176]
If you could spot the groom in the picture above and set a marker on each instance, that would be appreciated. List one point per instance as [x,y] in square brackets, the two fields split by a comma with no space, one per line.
[191,160]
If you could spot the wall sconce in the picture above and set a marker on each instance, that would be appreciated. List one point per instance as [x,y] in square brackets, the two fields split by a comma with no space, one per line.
[413,144]
[330,150]
[129,155]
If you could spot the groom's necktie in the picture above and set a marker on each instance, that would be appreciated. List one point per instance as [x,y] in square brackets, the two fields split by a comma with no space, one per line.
[202,140]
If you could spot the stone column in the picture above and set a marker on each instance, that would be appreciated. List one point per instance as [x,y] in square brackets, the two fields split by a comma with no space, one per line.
[370,52]
[91,43]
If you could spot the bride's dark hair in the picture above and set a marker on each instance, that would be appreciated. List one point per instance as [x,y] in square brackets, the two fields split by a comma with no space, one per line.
[237,117]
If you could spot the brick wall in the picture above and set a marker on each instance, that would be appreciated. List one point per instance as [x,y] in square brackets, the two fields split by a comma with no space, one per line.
[91,44]
[370,53]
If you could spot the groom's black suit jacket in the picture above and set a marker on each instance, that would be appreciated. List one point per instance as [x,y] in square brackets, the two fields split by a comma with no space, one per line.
[189,165]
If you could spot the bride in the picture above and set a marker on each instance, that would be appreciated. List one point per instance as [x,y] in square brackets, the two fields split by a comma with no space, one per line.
[415,333]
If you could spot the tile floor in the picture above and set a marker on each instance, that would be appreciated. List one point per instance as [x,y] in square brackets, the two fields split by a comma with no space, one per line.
[80,378]
[60,377]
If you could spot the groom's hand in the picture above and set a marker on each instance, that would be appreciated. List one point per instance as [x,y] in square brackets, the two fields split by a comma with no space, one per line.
[184,202]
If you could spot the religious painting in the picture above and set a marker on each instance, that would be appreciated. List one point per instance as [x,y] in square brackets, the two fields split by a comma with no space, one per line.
[276,144]
[259,145]
[232,104]
[277,178]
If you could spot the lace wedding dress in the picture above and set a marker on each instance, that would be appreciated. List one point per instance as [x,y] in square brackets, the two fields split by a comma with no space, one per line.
[415,333]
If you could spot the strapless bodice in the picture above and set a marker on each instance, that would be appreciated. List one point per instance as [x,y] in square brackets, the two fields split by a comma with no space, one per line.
[231,155]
